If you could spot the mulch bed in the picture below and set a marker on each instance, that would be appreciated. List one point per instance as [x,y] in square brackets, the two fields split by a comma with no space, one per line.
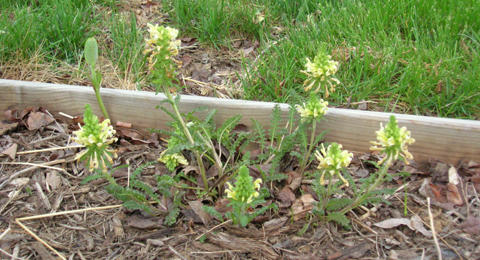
[38,175]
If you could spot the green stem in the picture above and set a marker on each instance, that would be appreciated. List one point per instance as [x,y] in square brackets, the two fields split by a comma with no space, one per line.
[100,102]
[306,159]
[96,81]
[362,198]
[187,134]
[329,193]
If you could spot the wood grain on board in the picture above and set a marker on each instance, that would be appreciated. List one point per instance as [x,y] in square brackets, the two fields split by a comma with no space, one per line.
[449,140]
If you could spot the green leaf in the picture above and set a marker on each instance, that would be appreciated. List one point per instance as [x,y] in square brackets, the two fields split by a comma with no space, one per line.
[91,178]
[214,213]
[339,218]
[171,218]
[91,51]
[335,203]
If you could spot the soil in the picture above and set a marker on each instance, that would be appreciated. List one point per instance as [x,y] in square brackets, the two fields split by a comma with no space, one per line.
[40,179]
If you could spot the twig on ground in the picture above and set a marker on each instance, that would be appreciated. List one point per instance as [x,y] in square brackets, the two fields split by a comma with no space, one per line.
[176,253]
[51,149]
[215,227]
[439,251]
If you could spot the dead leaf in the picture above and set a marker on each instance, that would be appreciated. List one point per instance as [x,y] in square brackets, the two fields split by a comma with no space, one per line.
[6,127]
[11,151]
[53,180]
[286,196]
[418,225]
[453,195]
[394,222]
[197,207]
[38,120]
[414,224]
[185,59]
[302,206]
[471,225]
[138,221]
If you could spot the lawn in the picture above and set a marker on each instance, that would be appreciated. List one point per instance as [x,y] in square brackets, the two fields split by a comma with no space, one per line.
[415,57]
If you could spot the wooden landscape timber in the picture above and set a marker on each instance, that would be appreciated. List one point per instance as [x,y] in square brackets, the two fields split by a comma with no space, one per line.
[449,140]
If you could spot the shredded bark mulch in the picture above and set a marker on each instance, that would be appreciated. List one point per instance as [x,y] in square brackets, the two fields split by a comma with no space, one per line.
[39,176]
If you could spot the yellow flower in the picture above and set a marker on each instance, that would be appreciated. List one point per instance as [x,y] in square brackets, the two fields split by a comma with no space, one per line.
[314,109]
[244,190]
[95,137]
[393,141]
[172,160]
[333,160]
[320,72]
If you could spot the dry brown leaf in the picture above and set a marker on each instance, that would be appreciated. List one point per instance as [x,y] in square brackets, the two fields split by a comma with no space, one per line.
[197,207]
[414,224]
[394,222]
[302,206]
[472,225]
[286,196]
[453,195]
[11,151]
[6,127]
[138,221]
[38,120]
[53,180]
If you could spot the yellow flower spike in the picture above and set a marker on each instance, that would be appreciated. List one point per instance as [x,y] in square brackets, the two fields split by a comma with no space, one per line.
[393,141]
[333,159]
[172,160]
[245,189]
[313,110]
[95,137]
[320,72]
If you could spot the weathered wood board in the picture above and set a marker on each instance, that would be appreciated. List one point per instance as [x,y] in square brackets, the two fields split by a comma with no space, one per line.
[449,140]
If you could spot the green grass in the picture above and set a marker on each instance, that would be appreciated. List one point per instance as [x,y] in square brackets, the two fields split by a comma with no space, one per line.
[418,57]
[408,56]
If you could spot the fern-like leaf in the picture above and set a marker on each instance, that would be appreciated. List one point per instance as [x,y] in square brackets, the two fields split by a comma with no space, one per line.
[91,178]
[339,218]
[335,203]
[214,213]
[172,215]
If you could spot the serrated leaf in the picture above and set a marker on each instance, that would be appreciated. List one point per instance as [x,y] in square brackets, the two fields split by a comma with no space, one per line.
[91,178]
[91,51]
[339,218]
[335,203]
